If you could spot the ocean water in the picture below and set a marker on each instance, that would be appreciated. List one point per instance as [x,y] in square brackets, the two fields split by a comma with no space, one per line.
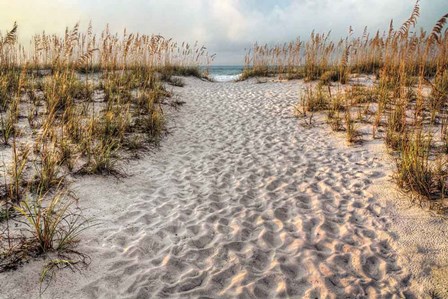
[225,73]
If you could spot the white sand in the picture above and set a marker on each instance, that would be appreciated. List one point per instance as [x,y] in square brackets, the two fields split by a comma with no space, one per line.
[242,201]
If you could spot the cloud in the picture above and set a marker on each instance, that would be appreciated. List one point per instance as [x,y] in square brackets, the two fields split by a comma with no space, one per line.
[226,27]
[36,16]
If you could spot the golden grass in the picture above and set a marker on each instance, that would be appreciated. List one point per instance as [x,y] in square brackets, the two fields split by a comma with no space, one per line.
[391,54]
[73,105]
[408,93]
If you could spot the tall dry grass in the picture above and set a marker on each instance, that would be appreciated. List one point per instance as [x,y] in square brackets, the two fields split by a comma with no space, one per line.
[404,101]
[72,105]
[389,54]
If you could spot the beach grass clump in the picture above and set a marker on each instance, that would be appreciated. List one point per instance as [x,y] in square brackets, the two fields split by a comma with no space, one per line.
[49,225]
[102,158]
[176,81]
[420,173]
[352,135]
[16,172]
[440,90]
[53,226]
[334,119]
[255,72]
[396,126]
[7,125]
[316,99]
[47,167]
[180,70]
[329,76]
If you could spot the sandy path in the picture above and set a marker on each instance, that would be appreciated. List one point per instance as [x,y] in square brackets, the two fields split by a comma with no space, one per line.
[239,201]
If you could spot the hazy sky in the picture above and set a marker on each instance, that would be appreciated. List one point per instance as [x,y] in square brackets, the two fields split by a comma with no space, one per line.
[225,27]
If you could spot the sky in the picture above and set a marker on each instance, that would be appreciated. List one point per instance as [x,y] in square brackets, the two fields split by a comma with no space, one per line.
[225,27]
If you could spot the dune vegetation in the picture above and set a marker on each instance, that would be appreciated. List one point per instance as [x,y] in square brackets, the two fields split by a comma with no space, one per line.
[394,83]
[76,105]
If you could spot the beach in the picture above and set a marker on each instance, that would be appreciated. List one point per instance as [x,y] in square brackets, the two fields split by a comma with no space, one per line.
[241,200]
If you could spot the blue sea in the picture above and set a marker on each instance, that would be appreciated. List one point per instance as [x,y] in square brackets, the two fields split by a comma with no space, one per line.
[225,73]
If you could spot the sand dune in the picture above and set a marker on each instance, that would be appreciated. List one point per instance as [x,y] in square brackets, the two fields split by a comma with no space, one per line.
[240,201]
